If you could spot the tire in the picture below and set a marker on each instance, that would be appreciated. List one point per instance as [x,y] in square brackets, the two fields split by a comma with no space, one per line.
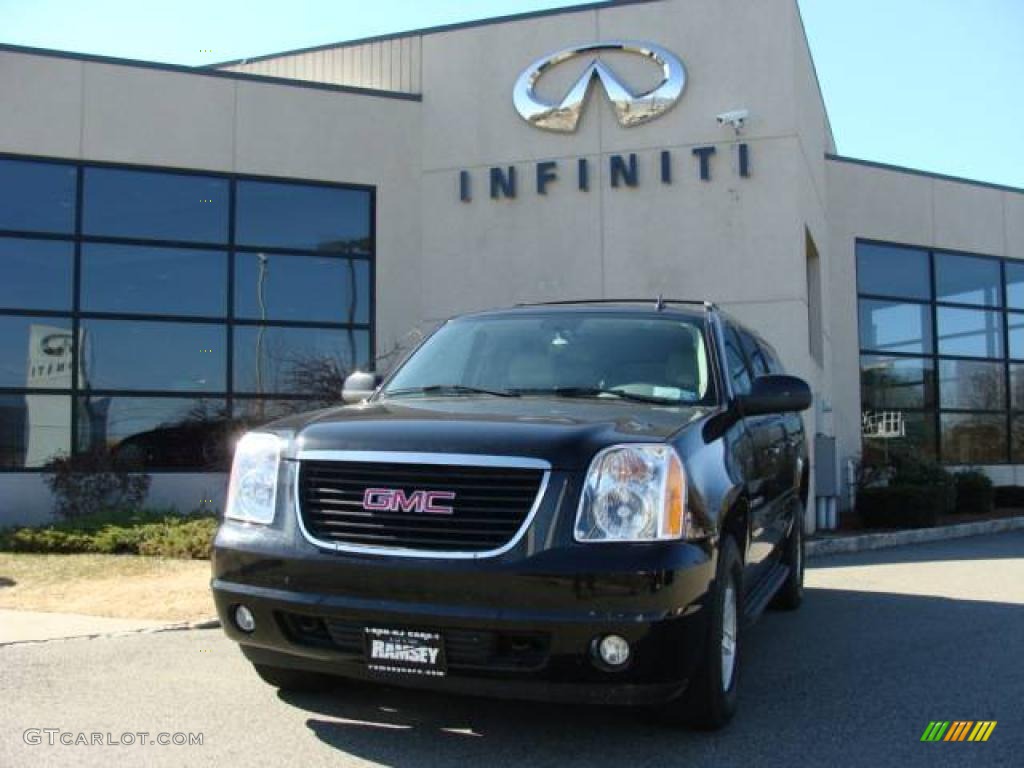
[710,700]
[295,680]
[791,594]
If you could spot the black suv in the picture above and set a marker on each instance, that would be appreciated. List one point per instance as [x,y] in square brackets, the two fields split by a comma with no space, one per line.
[583,501]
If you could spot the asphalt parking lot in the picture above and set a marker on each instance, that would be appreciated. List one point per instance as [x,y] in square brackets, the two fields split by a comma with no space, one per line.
[885,642]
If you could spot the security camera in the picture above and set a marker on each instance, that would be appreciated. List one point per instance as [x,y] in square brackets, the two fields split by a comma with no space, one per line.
[735,119]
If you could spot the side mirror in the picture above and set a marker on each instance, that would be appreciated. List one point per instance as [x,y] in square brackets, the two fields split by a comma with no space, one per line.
[776,394]
[359,386]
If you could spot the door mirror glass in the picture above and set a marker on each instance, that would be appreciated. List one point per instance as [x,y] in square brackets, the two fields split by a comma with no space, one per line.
[359,386]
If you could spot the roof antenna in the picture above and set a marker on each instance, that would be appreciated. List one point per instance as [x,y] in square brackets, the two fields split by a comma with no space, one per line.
[660,303]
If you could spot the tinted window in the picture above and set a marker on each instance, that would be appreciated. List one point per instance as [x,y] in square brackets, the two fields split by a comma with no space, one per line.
[156,432]
[35,352]
[184,357]
[155,206]
[919,438]
[755,355]
[1014,285]
[1015,326]
[302,361]
[34,429]
[278,215]
[37,197]
[973,438]
[305,288]
[892,383]
[36,274]
[146,280]
[890,271]
[969,332]
[888,326]
[254,412]
[972,385]
[735,363]
[967,280]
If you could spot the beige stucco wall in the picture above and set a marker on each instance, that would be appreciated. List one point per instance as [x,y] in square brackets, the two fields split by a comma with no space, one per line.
[912,209]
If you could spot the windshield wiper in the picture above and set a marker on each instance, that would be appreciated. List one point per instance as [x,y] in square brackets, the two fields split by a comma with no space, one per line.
[597,392]
[450,389]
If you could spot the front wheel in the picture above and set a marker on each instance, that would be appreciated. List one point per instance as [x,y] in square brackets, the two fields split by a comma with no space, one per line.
[791,594]
[710,700]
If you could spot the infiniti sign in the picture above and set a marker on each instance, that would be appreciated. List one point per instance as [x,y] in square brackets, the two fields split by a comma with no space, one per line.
[630,108]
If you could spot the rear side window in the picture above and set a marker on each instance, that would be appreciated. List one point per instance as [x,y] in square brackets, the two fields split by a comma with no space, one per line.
[736,362]
[755,354]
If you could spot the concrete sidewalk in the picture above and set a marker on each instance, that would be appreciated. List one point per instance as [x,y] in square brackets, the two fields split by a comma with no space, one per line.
[29,626]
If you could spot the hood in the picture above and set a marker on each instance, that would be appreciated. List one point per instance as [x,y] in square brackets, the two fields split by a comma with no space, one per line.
[565,432]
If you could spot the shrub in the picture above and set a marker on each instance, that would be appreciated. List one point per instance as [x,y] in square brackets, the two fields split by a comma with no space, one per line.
[160,533]
[84,485]
[902,506]
[1009,496]
[975,494]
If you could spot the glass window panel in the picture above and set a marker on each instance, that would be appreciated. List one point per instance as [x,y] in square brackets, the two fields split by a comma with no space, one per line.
[973,438]
[305,288]
[1017,439]
[887,270]
[318,218]
[147,280]
[36,274]
[736,364]
[918,437]
[154,205]
[970,332]
[255,412]
[35,352]
[1017,387]
[967,280]
[301,361]
[34,430]
[1015,326]
[889,326]
[973,386]
[1014,284]
[893,383]
[123,354]
[37,197]
[156,432]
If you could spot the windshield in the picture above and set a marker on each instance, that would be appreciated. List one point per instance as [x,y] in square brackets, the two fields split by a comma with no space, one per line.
[654,359]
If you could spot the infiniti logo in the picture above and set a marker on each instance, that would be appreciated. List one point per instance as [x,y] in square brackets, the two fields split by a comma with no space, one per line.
[630,108]
[396,500]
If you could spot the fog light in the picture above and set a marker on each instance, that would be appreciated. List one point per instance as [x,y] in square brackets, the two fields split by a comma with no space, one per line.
[244,619]
[613,650]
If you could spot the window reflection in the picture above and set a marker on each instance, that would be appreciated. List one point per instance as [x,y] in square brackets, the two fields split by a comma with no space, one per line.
[130,354]
[889,383]
[971,385]
[967,280]
[255,412]
[886,270]
[154,281]
[302,217]
[155,206]
[889,326]
[34,430]
[156,433]
[310,362]
[36,274]
[969,332]
[918,437]
[35,352]
[973,438]
[302,288]
[38,197]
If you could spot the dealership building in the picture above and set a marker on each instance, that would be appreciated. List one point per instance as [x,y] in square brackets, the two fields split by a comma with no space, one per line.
[187,250]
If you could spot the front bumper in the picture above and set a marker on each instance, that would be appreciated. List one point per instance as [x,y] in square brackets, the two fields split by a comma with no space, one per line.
[515,627]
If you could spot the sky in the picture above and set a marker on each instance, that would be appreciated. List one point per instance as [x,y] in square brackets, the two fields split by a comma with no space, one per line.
[930,84]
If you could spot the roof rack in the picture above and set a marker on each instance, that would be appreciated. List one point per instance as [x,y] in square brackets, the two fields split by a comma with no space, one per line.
[659,302]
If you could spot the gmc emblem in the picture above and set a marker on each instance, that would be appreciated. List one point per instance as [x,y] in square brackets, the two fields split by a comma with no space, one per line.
[396,500]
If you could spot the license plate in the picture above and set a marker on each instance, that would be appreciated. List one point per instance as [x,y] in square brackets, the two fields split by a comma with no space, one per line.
[405,652]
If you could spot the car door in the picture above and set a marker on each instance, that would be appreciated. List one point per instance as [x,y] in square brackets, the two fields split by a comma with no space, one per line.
[759,475]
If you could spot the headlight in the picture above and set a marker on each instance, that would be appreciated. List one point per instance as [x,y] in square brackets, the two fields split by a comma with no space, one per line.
[252,492]
[634,493]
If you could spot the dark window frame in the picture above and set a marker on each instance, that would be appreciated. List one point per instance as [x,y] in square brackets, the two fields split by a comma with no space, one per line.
[1003,311]
[76,315]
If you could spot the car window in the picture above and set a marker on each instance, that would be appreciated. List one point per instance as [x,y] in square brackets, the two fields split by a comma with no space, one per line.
[772,358]
[736,362]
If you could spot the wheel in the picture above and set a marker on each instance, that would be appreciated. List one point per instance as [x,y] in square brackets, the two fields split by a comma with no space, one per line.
[791,594]
[710,700]
[294,679]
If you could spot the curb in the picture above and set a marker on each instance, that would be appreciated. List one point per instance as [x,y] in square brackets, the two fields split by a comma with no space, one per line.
[179,627]
[837,545]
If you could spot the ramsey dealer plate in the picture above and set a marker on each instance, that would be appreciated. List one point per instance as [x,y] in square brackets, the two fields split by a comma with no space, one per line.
[406,652]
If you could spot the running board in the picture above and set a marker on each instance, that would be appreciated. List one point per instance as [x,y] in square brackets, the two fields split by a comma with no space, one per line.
[763,593]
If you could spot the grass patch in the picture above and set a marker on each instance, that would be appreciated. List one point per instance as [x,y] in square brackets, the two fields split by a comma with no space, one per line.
[156,533]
